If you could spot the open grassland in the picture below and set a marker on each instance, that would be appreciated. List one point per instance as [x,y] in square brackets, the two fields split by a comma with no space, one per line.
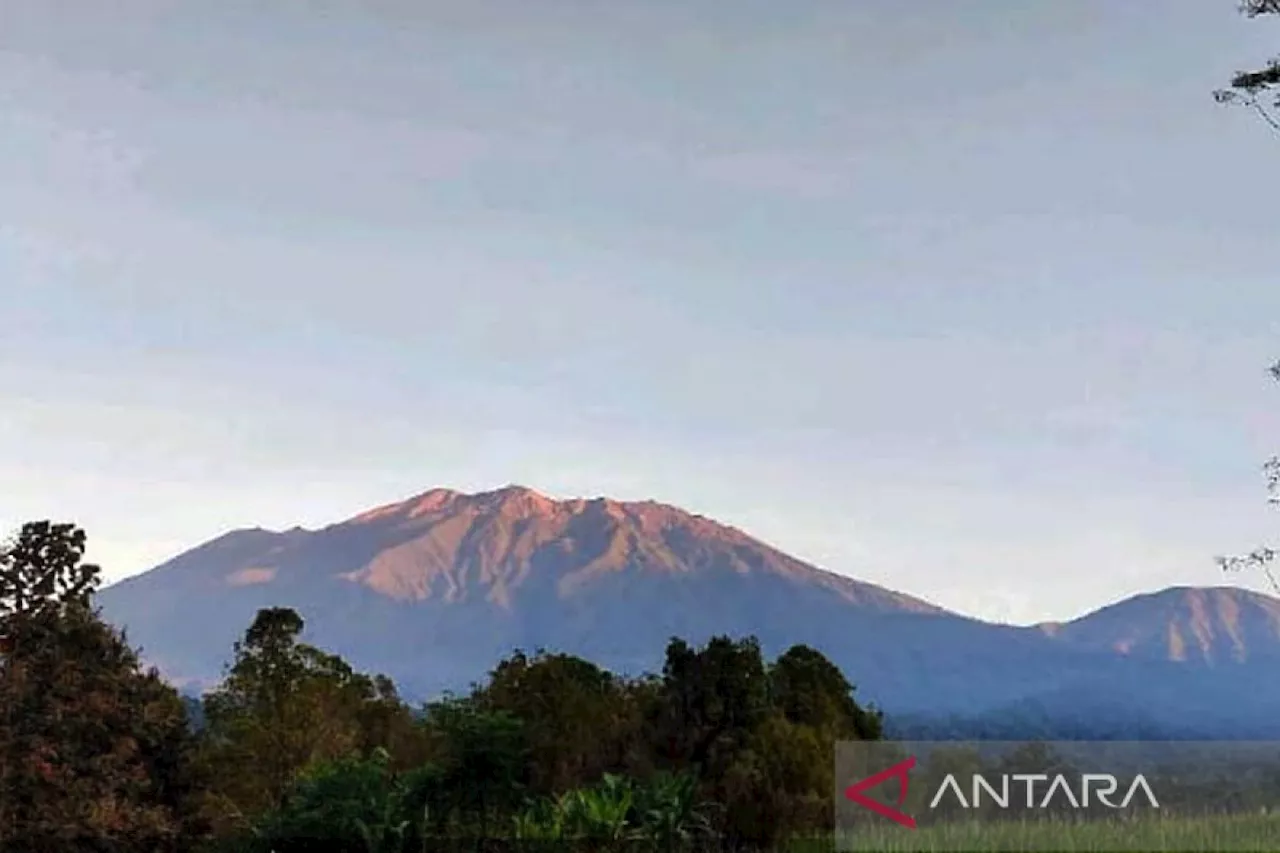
[1165,834]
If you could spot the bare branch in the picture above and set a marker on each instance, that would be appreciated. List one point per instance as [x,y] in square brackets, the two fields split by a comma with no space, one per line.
[1249,98]
[1253,89]
[1247,86]
[1254,8]
[1260,558]
[1271,468]
[1257,81]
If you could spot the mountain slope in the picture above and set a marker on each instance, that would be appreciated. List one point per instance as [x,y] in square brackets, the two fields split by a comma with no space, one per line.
[470,576]
[436,589]
[1213,626]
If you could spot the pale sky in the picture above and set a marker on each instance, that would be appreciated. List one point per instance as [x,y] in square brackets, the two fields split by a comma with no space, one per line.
[973,300]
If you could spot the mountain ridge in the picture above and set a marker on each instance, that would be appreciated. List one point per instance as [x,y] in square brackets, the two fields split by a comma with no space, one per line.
[1211,625]
[436,588]
[414,504]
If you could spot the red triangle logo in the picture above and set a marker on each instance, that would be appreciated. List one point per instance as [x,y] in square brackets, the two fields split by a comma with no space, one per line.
[898,771]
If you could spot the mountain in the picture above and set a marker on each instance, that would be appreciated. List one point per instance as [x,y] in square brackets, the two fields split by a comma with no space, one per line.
[1213,626]
[440,584]
[436,589]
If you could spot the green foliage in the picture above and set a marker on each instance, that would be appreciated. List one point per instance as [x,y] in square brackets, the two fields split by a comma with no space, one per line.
[810,690]
[555,749]
[297,750]
[286,705]
[579,720]
[778,784]
[94,752]
[599,813]
[663,814]
[365,804]
[41,572]
[711,699]
[759,738]
[669,813]
[542,820]
[349,804]
[484,755]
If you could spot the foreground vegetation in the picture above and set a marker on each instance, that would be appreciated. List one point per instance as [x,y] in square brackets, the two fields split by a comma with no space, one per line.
[295,747]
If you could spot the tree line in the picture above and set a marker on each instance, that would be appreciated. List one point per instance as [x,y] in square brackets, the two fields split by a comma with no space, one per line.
[295,747]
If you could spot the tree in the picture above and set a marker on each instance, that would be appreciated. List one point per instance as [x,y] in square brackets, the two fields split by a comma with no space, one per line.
[577,717]
[42,573]
[711,700]
[1261,557]
[355,803]
[386,722]
[283,706]
[779,783]
[95,752]
[810,690]
[484,756]
[1257,90]
[780,777]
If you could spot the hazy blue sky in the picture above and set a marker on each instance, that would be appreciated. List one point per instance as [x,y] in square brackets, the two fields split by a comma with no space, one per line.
[970,299]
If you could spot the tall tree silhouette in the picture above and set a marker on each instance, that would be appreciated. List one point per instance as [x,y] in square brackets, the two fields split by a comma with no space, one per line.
[94,751]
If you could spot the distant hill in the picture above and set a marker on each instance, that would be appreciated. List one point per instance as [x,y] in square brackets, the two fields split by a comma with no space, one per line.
[434,590]
[1207,625]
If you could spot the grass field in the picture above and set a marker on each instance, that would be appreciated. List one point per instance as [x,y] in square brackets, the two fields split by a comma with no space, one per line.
[1164,833]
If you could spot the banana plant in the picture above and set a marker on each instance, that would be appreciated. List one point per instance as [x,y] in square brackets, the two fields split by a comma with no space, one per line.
[542,820]
[600,813]
[669,813]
